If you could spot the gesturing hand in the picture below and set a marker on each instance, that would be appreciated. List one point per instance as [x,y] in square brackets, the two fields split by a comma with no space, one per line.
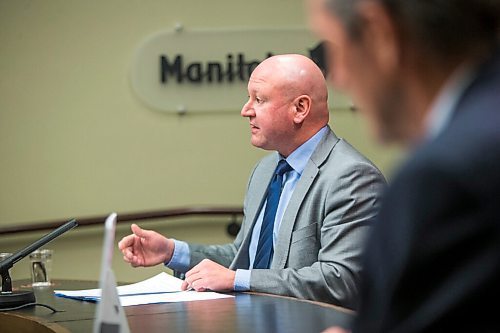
[145,247]
[208,275]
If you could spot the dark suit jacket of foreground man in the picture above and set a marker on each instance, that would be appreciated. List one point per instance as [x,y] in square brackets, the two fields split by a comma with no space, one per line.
[323,230]
[441,219]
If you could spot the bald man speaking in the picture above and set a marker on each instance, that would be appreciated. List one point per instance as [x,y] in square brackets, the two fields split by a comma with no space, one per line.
[308,205]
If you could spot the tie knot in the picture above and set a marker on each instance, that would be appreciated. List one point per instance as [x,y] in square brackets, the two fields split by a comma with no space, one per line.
[282,168]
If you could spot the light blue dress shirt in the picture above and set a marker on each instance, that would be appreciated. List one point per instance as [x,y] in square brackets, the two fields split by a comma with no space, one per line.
[297,160]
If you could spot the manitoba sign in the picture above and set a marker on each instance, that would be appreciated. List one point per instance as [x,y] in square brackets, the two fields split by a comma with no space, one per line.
[208,70]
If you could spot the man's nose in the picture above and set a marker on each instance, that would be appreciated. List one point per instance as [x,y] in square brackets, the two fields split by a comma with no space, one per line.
[247,110]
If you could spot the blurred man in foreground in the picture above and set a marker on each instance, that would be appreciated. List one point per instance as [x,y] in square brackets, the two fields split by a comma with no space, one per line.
[426,74]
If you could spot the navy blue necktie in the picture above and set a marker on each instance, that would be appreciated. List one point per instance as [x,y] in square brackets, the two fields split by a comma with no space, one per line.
[265,247]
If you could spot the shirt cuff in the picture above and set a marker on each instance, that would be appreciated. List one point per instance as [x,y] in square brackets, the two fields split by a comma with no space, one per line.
[242,280]
[181,258]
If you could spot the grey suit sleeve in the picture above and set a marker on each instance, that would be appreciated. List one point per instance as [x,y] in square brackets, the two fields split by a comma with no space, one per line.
[324,262]
[222,254]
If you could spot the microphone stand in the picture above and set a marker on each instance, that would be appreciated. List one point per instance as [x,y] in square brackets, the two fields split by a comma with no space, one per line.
[9,298]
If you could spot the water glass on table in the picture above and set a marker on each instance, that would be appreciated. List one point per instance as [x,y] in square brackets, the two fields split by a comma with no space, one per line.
[41,267]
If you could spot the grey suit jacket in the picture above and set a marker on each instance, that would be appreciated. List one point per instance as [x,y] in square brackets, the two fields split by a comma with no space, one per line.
[322,233]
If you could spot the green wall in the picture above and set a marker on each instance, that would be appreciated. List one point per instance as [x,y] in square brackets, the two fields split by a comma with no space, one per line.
[76,142]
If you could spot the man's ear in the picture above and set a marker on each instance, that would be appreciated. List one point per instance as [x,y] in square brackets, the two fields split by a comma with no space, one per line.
[381,35]
[302,107]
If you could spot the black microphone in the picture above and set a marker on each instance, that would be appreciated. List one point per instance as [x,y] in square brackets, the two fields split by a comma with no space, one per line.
[9,298]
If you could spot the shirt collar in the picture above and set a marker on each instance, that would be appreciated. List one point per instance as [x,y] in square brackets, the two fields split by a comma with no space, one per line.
[442,108]
[300,156]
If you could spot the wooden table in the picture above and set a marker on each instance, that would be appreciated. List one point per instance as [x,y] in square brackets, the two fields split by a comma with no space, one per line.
[247,312]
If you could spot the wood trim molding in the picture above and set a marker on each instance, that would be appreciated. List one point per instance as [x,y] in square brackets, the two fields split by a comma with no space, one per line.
[234,212]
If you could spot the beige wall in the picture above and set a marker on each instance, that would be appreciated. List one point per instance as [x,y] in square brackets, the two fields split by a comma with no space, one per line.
[75,141]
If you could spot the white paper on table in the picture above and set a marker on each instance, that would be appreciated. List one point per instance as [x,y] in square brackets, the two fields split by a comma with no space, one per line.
[161,283]
[161,288]
[183,296]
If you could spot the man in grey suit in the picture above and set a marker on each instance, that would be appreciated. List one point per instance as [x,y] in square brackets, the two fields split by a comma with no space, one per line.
[329,195]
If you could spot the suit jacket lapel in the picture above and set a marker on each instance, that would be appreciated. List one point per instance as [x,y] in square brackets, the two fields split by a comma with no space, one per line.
[301,189]
[253,209]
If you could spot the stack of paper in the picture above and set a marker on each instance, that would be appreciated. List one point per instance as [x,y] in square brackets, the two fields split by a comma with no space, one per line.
[162,288]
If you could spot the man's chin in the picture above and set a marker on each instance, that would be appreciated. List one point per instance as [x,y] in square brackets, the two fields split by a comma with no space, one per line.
[260,144]
[394,135]
[256,142]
